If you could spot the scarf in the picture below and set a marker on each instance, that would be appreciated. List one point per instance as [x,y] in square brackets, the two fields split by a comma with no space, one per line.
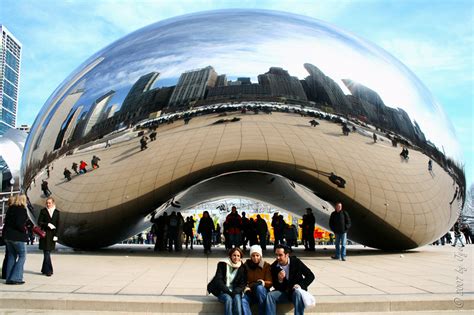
[253,265]
[232,269]
[51,211]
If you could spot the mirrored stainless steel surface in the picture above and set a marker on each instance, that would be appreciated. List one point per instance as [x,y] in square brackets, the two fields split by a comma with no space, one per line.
[218,103]
[11,148]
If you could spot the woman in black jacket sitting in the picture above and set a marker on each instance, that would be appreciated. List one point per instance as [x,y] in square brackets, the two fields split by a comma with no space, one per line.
[229,282]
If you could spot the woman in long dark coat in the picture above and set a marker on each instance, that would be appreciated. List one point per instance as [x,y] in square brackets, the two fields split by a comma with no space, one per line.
[48,220]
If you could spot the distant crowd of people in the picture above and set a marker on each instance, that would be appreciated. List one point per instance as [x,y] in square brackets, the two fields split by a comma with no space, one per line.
[459,230]
[173,232]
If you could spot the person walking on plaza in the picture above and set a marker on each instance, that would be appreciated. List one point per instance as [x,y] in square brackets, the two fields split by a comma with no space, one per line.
[234,225]
[95,162]
[466,230]
[48,221]
[340,222]
[259,281]
[74,167]
[15,237]
[143,143]
[309,223]
[173,227]
[289,275]
[229,282]
[205,228]
[29,231]
[457,234]
[67,174]
[188,231]
[262,230]
[45,188]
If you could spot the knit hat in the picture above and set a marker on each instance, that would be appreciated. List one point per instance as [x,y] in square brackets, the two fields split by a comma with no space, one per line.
[255,249]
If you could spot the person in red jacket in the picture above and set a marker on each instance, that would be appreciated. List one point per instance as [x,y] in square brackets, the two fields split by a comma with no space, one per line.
[234,227]
[82,167]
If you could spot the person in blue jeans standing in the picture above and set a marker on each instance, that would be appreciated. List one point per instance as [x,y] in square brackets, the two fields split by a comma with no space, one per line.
[14,233]
[289,276]
[340,223]
[229,282]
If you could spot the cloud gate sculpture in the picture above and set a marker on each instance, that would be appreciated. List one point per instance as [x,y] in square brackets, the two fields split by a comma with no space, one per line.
[266,105]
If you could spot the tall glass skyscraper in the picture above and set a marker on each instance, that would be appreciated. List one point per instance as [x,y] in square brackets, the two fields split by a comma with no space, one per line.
[10,56]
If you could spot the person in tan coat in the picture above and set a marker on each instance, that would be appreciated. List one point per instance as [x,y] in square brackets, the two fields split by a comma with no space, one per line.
[259,281]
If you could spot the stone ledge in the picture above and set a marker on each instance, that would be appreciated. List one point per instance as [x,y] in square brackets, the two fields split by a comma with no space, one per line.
[209,305]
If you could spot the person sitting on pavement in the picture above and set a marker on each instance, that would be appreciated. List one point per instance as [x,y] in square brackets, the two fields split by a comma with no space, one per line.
[259,281]
[229,282]
[289,276]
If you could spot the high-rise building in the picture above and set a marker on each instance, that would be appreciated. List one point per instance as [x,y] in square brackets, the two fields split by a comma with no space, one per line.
[192,86]
[10,56]
[281,84]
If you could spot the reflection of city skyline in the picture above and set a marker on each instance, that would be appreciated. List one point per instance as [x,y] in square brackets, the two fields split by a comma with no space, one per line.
[205,86]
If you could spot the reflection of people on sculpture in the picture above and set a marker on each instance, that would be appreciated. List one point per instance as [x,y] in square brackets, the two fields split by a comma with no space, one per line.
[374,136]
[430,166]
[107,144]
[45,188]
[82,167]
[466,230]
[313,123]
[95,162]
[338,180]
[74,168]
[67,174]
[345,129]
[143,143]
[457,234]
[153,135]
[404,153]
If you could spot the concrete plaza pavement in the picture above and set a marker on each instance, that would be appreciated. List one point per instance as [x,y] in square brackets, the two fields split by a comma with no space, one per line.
[133,278]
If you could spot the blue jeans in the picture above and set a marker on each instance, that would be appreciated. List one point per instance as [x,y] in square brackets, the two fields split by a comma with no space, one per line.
[234,239]
[232,305]
[47,267]
[277,297]
[258,295]
[341,241]
[15,260]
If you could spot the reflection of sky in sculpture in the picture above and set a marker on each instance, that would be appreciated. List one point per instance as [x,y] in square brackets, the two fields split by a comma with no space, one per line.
[247,43]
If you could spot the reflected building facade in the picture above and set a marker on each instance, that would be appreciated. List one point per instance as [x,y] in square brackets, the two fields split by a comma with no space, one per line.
[295,133]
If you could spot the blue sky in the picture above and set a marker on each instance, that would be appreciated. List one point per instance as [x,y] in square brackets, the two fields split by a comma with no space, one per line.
[435,39]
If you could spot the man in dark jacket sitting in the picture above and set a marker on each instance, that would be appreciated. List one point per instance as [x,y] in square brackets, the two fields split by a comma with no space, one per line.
[288,274]
[340,222]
